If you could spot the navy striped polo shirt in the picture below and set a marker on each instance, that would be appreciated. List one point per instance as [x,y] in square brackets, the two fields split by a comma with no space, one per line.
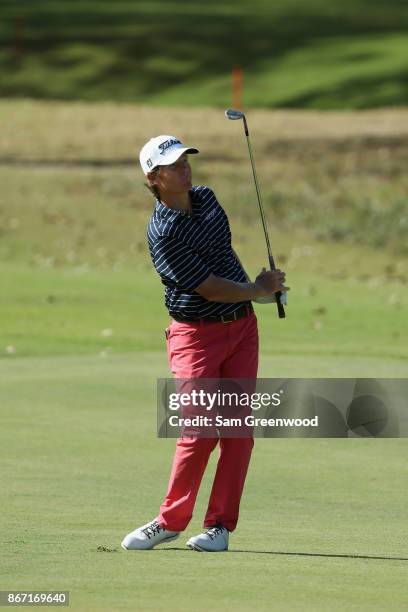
[186,249]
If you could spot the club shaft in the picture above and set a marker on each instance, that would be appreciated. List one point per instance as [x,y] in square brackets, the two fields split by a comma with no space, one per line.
[261,209]
[281,310]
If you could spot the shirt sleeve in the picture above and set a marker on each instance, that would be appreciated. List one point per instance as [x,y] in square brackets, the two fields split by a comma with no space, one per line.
[178,264]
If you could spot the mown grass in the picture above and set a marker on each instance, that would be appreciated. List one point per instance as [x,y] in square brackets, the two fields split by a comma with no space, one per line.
[65,311]
[81,467]
[316,54]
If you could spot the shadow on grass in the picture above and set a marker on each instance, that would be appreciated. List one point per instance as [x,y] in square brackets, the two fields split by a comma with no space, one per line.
[330,556]
[270,552]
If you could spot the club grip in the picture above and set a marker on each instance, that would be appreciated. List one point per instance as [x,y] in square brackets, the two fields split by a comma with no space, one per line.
[278,294]
[281,310]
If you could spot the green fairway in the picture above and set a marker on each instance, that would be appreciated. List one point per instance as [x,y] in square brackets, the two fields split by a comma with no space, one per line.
[318,54]
[56,312]
[81,466]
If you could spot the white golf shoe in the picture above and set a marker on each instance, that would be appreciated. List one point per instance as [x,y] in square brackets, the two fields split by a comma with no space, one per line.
[148,536]
[215,539]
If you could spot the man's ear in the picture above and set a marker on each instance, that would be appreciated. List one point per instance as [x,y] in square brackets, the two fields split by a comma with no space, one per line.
[151,177]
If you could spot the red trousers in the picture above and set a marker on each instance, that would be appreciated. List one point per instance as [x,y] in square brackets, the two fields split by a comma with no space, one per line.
[209,350]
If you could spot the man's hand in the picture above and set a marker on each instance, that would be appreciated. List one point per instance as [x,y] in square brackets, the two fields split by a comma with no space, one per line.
[270,281]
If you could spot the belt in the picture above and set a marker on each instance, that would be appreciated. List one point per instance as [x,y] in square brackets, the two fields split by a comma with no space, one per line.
[243,311]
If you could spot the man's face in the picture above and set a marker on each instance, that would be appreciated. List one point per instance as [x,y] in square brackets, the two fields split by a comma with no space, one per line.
[176,177]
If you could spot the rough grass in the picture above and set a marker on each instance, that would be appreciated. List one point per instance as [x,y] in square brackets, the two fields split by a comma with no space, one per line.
[336,176]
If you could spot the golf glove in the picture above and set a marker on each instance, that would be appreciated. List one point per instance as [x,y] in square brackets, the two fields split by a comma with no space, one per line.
[269,299]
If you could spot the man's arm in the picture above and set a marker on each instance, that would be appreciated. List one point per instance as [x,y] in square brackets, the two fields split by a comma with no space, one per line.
[217,289]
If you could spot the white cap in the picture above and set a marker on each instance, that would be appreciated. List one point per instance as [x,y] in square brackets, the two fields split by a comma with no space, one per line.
[162,151]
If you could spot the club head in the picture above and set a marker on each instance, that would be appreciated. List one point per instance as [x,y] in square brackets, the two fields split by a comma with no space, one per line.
[233,114]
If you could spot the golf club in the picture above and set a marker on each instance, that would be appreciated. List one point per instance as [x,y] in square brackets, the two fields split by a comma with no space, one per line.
[234,115]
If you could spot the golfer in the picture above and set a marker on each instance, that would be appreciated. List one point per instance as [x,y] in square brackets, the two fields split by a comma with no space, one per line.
[212,334]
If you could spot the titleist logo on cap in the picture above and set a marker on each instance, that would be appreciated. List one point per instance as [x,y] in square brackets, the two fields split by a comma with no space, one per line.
[167,144]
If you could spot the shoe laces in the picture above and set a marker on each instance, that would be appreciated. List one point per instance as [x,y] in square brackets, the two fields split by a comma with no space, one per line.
[153,529]
[215,531]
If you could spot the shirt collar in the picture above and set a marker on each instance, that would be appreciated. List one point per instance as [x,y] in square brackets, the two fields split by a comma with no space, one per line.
[171,214]
[166,213]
